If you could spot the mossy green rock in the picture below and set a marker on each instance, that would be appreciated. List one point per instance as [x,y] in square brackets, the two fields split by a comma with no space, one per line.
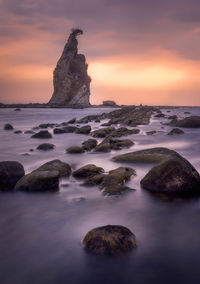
[110,239]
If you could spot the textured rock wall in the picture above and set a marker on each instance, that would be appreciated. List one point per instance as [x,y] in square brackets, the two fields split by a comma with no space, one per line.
[70,79]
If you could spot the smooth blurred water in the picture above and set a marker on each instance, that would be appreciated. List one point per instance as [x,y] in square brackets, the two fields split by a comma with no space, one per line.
[40,234]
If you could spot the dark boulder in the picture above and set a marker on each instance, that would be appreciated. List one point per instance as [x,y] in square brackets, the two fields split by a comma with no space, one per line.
[173,176]
[110,239]
[188,122]
[176,131]
[117,189]
[10,173]
[18,132]
[88,171]
[84,130]
[75,150]
[118,176]
[43,134]
[46,147]
[89,144]
[59,131]
[64,169]
[39,181]
[8,126]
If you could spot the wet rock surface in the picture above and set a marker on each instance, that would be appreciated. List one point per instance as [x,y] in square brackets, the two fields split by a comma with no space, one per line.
[152,155]
[63,168]
[46,146]
[176,131]
[39,181]
[10,173]
[75,150]
[188,122]
[43,134]
[110,239]
[173,176]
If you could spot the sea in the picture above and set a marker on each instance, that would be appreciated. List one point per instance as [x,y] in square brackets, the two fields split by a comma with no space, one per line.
[41,233]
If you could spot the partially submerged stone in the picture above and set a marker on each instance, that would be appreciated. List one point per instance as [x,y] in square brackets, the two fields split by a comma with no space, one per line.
[10,173]
[176,131]
[39,181]
[8,126]
[151,132]
[88,171]
[118,176]
[188,122]
[173,176]
[84,130]
[75,150]
[46,146]
[152,155]
[117,189]
[89,144]
[43,134]
[109,144]
[110,239]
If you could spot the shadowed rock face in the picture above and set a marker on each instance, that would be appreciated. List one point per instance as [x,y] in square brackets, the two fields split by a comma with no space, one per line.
[70,79]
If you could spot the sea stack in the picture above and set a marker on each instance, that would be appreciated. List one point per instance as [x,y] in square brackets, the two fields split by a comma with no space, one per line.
[70,79]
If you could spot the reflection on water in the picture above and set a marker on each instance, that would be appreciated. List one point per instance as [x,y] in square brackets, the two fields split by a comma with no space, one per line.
[40,234]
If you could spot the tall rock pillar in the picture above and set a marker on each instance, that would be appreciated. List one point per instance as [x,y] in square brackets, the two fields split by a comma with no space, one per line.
[70,79]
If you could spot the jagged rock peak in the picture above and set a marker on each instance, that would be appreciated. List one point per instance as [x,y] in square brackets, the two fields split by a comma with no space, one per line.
[70,79]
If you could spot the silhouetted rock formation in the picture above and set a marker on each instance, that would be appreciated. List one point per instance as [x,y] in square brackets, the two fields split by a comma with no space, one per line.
[71,81]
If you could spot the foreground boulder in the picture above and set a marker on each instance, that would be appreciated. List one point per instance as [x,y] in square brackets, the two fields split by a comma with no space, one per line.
[88,171]
[64,169]
[173,176]
[10,173]
[152,155]
[39,181]
[110,239]
[188,122]
[43,134]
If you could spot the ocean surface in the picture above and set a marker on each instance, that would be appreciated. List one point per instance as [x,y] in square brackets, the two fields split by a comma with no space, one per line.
[41,234]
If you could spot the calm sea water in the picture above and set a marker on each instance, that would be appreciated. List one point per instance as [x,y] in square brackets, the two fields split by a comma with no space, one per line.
[40,234]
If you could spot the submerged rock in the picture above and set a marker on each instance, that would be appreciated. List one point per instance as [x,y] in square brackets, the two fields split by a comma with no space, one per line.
[8,126]
[43,134]
[46,147]
[10,173]
[151,132]
[188,122]
[17,109]
[18,132]
[103,132]
[152,155]
[71,81]
[88,171]
[109,144]
[75,150]
[110,239]
[39,181]
[117,189]
[173,176]
[176,131]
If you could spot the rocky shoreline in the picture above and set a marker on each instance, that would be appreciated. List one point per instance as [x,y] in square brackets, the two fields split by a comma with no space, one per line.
[170,175]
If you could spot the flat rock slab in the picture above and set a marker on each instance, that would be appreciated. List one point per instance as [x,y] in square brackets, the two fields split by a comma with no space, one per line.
[153,155]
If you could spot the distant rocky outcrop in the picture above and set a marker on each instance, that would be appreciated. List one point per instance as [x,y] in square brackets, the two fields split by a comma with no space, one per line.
[70,78]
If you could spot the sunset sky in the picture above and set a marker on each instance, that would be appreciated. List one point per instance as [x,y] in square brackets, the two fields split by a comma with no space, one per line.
[138,51]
